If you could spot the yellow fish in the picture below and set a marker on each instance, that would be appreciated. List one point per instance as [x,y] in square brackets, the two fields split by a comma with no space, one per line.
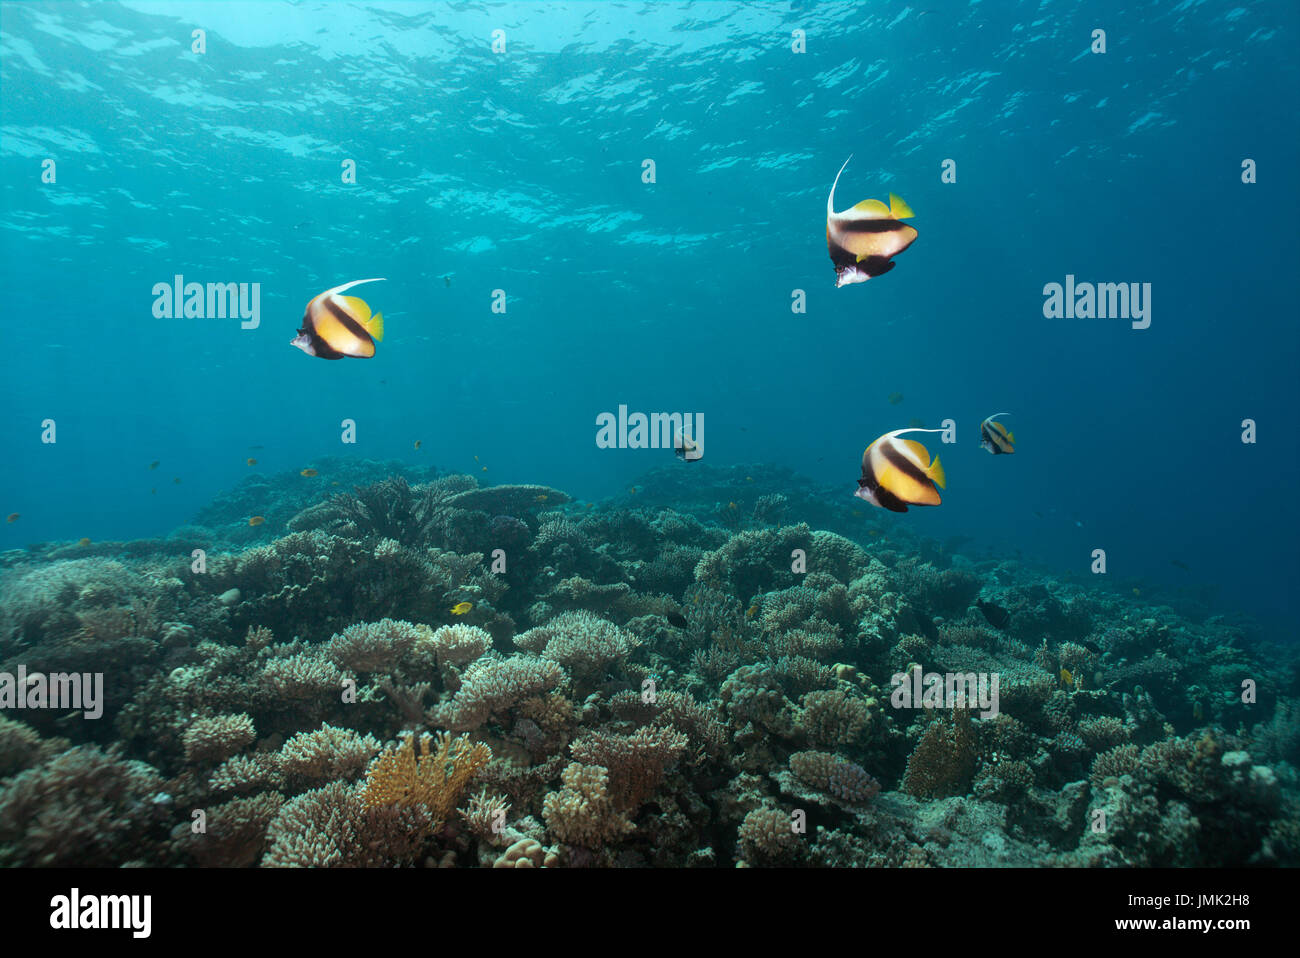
[460,608]
[542,497]
[256,520]
[309,473]
[632,490]
[252,462]
[484,469]
[154,464]
[898,472]
[732,505]
[1137,591]
[749,478]
[417,444]
[995,437]
[864,239]
[14,517]
[83,541]
[751,611]
[335,326]
[1067,678]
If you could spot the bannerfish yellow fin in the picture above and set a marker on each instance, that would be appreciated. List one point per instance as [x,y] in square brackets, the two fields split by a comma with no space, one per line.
[936,473]
[872,209]
[359,307]
[898,208]
[922,453]
[375,326]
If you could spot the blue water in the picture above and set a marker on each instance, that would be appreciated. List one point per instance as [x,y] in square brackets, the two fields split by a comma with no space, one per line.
[522,171]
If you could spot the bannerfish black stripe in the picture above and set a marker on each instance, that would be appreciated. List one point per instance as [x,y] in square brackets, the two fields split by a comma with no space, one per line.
[895,457]
[344,317]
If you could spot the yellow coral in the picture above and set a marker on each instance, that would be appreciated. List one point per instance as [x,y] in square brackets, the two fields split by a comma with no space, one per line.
[435,779]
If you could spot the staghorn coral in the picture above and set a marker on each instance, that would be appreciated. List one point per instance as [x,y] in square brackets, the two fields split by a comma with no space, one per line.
[374,646]
[217,738]
[836,717]
[636,763]
[435,780]
[332,827]
[581,812]
[583,643]
[767,838]
[491,686]
[84,807]
[328,753]
[944,757]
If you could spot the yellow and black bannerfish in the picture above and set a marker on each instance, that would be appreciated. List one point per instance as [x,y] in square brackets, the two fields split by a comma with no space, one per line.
[864,239]
[995,437]
[897,473]
[335,326]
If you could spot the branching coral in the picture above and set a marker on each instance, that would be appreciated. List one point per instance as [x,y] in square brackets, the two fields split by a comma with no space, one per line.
[582,812]
[944,757]
[404,776]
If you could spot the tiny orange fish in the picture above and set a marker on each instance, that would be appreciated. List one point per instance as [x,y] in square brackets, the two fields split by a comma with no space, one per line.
[542,497]
[256,520]
[252,461]
[460,608]
[309,473]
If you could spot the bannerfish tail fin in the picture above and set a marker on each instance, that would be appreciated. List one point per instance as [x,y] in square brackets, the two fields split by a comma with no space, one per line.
[1011,436]
[355,282]
[830,200]
[898,208]
[936,473]
[375,326]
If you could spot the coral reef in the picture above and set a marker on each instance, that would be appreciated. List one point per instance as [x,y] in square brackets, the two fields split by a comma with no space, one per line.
[700,673]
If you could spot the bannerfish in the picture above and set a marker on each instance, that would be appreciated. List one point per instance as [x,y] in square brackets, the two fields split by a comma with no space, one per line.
[460,608]
[864,239]
[996,616]
[335,326]
[995,437]
[419,443]
[898,472]
[688,450]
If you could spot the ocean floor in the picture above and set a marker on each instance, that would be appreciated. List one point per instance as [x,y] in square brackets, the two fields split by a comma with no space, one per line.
[398,667]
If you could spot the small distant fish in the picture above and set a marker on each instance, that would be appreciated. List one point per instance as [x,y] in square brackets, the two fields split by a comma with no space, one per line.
[335,326]
[1067,678]
[873,532]
[1198,712]
[995,437]
[997,616]
[732,505]
[632,490]
[1137,591]
[303,225]
[176,481]
[14,517]
[153,492]
[1182,565]
[1092,647]
[83,542]
[476,458]
[749,478]
[898,472]
[751,611]
[687,449]
[484,469]
[895,398]
[542,497]
[418,443]
[447,281]
[256,520]
[154,464]
[676,619]
[591,505]
[256,448]
[864,239]
[309,473]
[460,608]
[251,461]
[334,483]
